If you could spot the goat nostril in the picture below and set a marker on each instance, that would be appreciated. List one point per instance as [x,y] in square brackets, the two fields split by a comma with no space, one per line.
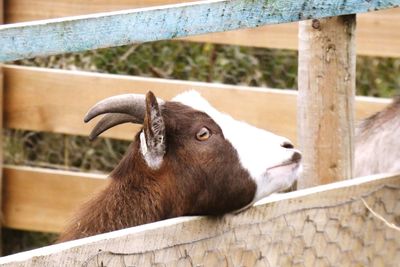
[296,157]
[287,145]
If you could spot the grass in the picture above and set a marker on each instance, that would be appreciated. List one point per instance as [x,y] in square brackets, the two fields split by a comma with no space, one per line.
[219,63]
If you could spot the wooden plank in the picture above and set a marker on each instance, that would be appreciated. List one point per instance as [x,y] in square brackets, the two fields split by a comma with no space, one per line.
[100,30]
[377,32]
[28,10]
[44,100]
[322,226]
[38,199]
[377,35]
[327,81]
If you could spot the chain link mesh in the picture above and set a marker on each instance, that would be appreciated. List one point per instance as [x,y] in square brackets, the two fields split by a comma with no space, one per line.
[346,234]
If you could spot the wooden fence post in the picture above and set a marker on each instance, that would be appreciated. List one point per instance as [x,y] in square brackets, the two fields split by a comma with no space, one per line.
[326,82]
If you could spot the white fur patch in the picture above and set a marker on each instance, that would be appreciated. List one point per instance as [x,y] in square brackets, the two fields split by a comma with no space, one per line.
[143,145]
[153,161]
[259,150]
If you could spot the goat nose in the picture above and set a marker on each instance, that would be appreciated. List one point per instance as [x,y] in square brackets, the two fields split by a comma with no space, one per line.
[287,144]
[296,157]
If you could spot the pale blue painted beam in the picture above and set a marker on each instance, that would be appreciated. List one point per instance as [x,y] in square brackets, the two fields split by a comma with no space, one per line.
[73,34]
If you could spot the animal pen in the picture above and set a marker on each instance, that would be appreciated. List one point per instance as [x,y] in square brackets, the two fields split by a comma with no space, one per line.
[344,223]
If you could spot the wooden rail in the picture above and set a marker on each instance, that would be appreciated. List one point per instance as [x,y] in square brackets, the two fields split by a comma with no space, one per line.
[38,199]
[35,99]
[28,10]
[377,35]
[321,226]
[375,30]
[88,32]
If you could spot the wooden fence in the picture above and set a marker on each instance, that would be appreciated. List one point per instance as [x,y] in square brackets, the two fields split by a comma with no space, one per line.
[375,30]
[239,15]
[330,225]
[34,99]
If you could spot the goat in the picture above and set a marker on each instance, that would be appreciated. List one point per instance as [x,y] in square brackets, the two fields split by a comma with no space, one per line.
[188,159]
[377,147]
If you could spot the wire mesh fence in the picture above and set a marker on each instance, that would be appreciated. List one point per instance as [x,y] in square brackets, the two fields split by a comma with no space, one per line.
[344,233]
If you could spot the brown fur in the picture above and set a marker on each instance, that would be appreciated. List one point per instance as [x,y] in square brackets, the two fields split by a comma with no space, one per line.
[193,180]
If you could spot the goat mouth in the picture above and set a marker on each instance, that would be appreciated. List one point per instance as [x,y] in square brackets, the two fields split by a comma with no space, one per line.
[294,164]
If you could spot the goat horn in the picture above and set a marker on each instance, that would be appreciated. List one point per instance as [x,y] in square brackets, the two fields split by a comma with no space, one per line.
[131,104]
[111,120]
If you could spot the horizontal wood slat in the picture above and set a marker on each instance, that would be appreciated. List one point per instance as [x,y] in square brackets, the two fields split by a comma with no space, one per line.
[377,35]
[41,199]
[320,226]
[28,10]
[377,32]
[54,100]
[116,28]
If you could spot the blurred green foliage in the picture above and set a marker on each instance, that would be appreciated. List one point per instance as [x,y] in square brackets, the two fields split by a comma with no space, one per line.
[170,60]
[379,77]
[60,151]
[219,63]
[15,241]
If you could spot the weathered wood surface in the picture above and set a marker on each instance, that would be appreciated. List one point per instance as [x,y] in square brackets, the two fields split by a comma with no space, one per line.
[327,80]
[39,199]
[25,40]
[323,226]
[377,35]
[377,32]
[42,100]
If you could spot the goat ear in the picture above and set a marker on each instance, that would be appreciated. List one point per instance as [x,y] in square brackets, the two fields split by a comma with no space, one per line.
[152,138]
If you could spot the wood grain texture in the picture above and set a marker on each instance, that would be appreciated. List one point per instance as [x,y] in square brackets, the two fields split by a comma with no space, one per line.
[322,226]
[55,101]
[377,32]
[326,99]
[377,35]
[101,30]
[38,199]
[29,10]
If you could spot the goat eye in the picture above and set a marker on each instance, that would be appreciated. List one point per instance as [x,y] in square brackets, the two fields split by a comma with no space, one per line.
[203,134]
